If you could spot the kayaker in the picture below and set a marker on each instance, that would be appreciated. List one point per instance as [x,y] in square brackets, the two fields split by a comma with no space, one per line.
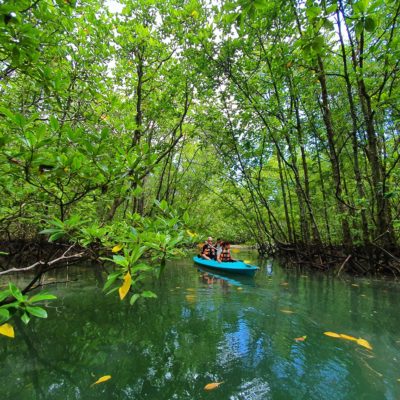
[209,252]
[225,255]
[218,246]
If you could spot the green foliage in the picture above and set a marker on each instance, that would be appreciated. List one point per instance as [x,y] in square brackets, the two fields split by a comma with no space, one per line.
[19,304]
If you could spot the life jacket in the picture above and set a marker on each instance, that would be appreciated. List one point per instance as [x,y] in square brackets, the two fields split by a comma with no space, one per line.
[225,255]
[208,250]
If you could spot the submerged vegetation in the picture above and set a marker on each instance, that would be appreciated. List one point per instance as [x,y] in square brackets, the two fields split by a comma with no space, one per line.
[140,126]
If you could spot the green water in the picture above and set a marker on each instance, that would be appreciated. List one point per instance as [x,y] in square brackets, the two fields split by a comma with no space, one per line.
[204,329]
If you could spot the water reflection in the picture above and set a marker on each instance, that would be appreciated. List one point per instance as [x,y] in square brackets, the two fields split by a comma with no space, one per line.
[205,328]
[211,278]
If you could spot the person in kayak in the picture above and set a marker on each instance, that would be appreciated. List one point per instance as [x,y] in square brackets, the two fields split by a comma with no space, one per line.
[218,246]
[225,255]
[209,252]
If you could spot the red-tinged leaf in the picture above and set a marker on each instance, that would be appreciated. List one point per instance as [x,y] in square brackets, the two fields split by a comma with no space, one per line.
[212,386]
[301,338]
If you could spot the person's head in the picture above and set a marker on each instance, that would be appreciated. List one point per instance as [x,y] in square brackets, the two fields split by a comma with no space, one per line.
[219,241]
[209,239]
[227,245]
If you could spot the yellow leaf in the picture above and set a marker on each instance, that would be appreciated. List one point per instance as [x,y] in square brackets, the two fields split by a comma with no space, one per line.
[190,297]
[332,334]
[124,289]
[247,261]
[194,14]
[287,311]
[191,234]
[235,251]
[102,379]
[364,343]
[117,248]
[7,330]
[191,290]
[239,288]
[212,386]
[347,337]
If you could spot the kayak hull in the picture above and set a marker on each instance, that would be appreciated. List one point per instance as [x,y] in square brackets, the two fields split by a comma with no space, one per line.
[235,267]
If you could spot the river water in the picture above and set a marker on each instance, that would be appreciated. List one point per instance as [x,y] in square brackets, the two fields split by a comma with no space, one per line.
[205,329]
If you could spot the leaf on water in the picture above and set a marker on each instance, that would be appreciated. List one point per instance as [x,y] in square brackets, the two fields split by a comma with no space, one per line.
[124,289]
[247,261]
[347,337]
[332,334]
[355,285]
[190,289]
[284,284]
[102,379]
[235,251]
[364,343]
[212,386]
[7,330]
[287,311]
[239,288]
[190,297]
[117,248]
[301,338]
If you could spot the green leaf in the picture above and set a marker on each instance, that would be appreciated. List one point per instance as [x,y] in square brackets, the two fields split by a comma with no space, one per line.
[134,298]
[4,315]
[4,294]
[37,311]
[56,236]
[15,292]
[370,24]
[361,6]
[41,297]
[313,12]
[149,294]
[25,318]
[111,279]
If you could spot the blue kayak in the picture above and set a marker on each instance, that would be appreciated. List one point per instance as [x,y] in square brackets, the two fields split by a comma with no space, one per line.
[235,267]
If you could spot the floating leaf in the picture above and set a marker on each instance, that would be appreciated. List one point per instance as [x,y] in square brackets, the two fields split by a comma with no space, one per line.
[364,343]
[287,311]
[284,284]
[239,288]
[124,289]
[347,337]
[332,334]
[117,248]
[212,386]
[190,297]
[301,338]
[7,330]
[235,250]
[102,379]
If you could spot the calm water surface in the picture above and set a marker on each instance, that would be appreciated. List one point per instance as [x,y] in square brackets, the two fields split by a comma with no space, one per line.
[204,329]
